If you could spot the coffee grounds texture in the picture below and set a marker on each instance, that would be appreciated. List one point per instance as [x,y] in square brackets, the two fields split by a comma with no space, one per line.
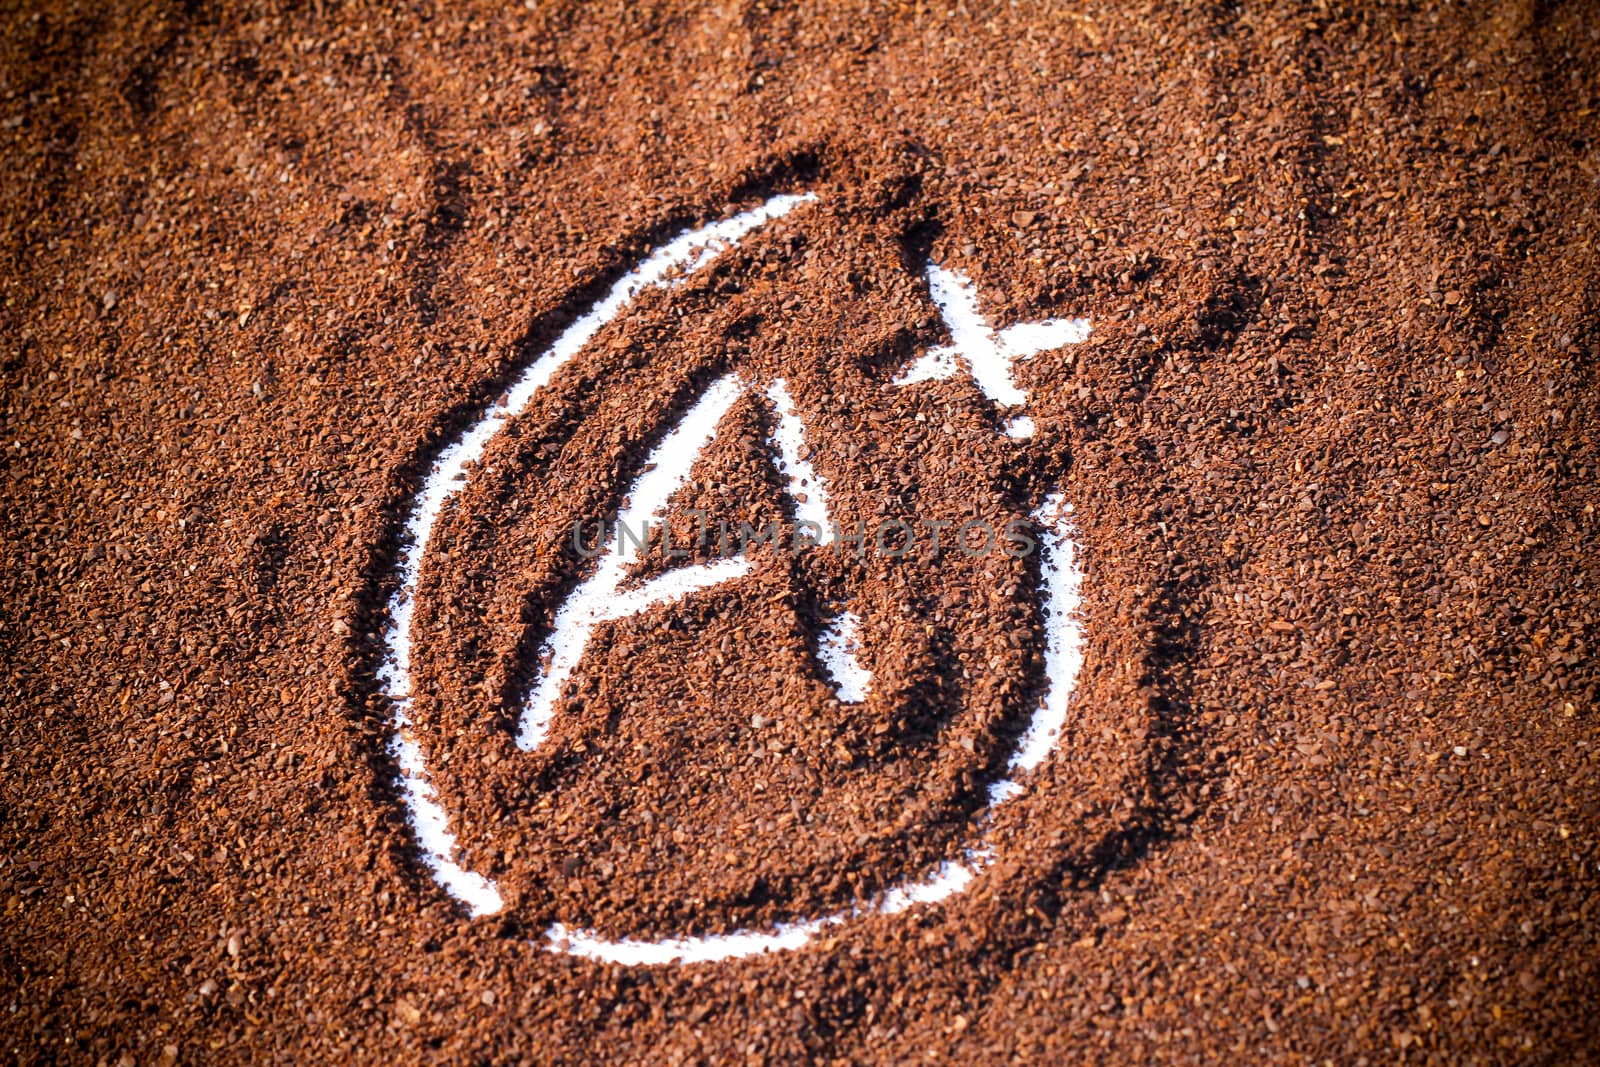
[1328,790]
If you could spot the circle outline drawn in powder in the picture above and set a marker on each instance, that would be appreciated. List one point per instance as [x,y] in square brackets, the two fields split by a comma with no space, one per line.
[1060,571]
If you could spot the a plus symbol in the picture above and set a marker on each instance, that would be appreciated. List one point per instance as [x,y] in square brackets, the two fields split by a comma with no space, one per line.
[983,352]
